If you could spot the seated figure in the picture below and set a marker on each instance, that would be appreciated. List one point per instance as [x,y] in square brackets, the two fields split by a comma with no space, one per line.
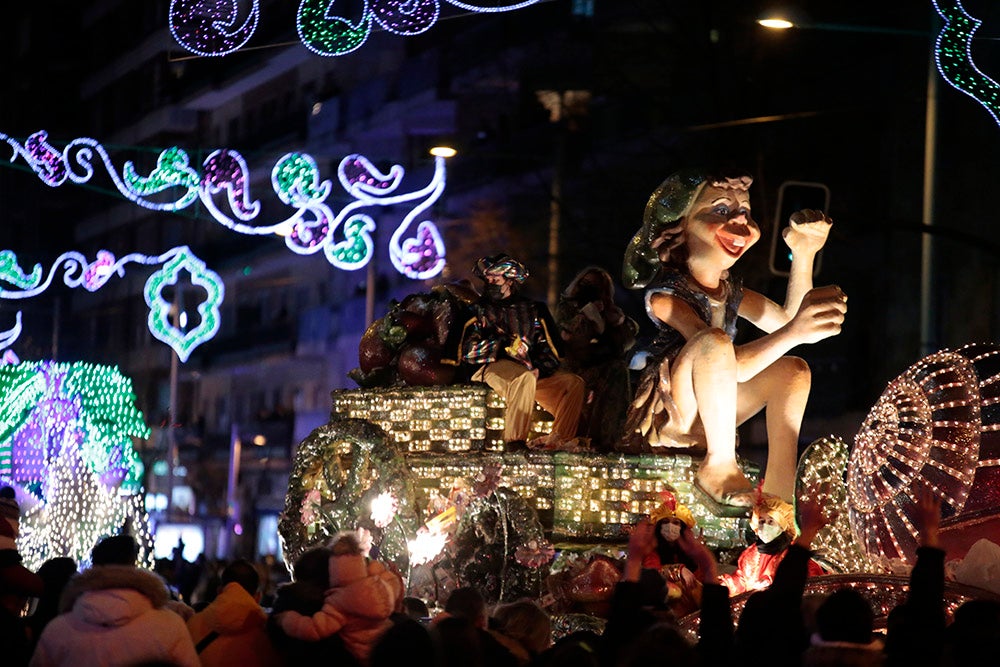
[697,385]
[773,523]
[513,343]
[597,335]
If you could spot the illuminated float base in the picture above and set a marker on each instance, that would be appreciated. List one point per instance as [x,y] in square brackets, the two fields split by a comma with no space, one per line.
[450,434]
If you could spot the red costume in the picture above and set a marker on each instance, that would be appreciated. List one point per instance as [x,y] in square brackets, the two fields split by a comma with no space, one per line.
[755,570]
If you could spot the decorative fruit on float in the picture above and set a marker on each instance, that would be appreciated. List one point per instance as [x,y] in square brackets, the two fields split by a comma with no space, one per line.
[407,345]
[420,365]
[374,352]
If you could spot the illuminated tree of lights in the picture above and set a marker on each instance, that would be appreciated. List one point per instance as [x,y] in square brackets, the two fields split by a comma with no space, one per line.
[66,435]
[78,271]
[416,248]
[953,53]
[213,27]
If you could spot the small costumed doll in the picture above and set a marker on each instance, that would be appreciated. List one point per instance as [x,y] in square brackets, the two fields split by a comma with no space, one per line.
[773,522]
[670,520]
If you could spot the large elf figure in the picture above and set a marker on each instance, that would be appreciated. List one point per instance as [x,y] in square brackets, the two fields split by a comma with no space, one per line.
[697,385]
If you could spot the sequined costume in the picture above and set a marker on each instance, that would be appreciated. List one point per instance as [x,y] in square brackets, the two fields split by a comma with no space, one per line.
[651,419]
[485,342]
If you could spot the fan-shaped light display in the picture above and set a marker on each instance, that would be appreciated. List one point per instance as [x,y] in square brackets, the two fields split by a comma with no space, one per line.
[936,426]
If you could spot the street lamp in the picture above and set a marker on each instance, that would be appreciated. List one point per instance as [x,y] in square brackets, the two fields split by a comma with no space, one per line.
[928,342]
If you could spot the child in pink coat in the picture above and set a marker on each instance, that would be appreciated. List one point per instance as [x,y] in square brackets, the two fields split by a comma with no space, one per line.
[362,596]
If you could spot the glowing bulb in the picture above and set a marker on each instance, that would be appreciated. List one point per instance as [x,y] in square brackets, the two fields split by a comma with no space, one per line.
[426,546]
[384,508]
[776,24]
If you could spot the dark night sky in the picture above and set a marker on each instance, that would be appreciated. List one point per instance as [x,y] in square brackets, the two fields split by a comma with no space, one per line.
[699,83]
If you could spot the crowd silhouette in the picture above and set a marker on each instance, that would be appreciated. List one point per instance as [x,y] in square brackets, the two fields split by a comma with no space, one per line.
[342,608]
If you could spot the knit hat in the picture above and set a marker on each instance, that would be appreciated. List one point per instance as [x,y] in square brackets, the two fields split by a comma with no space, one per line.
[347,565]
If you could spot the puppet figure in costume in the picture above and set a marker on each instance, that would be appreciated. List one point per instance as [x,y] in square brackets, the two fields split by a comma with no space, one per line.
[697,386]
[773,522]
[513,341]
[597,334]
[670,521]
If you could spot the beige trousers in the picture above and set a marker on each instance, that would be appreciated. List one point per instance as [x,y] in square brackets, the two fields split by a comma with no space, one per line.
[561,395]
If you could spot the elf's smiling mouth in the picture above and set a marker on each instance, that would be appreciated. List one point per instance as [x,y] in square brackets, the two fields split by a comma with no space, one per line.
[734,239]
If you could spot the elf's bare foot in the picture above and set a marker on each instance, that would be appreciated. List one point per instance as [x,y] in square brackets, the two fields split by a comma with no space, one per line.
[725,484]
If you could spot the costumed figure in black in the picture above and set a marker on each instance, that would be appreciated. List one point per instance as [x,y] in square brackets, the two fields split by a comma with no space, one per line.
[671,521]
[597,334]
[513,341]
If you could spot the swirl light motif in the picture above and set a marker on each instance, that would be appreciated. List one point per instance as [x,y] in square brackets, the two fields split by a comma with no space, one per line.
[160,322]
[937,427]
[415,248]
[953,54]
[79,272]
[209,27]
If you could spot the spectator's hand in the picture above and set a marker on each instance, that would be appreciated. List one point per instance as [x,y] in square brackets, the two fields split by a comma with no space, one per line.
[641,543]
[929,517]
[811,521]
[708,570]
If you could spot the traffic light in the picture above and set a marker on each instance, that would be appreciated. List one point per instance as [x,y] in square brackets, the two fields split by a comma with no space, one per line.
[794,196]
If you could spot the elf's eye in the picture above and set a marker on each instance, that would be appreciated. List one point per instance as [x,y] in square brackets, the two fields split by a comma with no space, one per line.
[721,209]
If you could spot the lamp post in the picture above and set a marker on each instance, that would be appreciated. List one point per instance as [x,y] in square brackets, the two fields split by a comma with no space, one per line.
[928,308]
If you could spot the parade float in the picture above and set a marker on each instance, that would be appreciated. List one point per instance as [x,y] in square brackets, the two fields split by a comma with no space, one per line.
[421,471]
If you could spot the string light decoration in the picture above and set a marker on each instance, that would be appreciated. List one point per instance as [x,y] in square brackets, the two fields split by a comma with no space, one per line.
[388,452]
[66,445]
[162,325]
[434,419]
[416,248]
[821,478]
[78,271]
[209,27]
[449,433]
[935,427]
[213,28]
[953,55]
[339,471]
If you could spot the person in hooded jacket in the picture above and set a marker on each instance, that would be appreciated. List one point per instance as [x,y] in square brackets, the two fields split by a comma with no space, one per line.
[115,614]
[362,596]
[232,629]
